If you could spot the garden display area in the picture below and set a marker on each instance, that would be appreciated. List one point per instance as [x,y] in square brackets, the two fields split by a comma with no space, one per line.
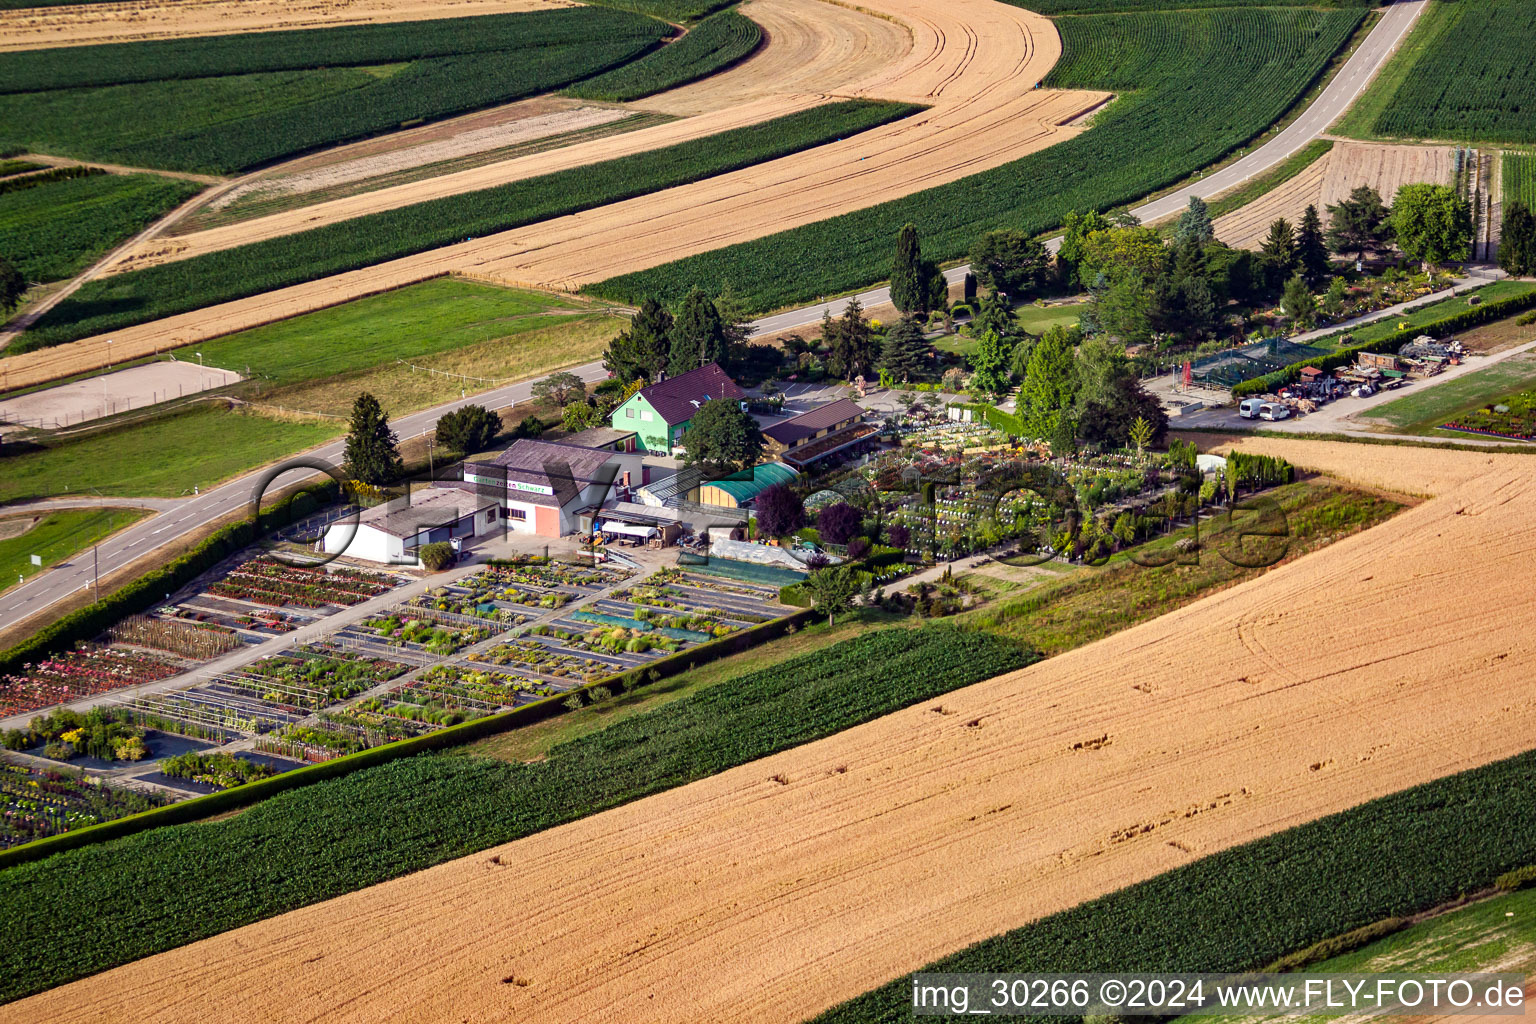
[1513,417]
[513,632]
[40,802]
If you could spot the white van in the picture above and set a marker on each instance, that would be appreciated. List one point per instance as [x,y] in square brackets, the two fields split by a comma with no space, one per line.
[1273,411]
[1249,409]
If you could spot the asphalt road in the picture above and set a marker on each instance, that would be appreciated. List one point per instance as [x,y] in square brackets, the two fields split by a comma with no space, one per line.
[54,585]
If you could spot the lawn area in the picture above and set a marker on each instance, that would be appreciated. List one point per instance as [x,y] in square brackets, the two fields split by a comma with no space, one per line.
[408,323]
[560,342]
[55,536]
[1421,412]
[1030,317]
[162,457]
[535,741]
[1093,603]
[1428,315]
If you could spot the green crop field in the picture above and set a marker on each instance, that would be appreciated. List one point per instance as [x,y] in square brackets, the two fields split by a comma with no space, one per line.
[57,228]
[224,103]
[1194,85]
[162,457]
[56,536]
[718,41]
[149,294]
[1464,75]
[1519,184]
[382,822]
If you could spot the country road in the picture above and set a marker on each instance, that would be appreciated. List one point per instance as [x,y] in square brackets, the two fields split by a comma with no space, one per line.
[1341,92]
[191,514]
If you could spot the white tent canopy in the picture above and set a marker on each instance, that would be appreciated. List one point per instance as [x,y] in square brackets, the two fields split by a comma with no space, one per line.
[628,529]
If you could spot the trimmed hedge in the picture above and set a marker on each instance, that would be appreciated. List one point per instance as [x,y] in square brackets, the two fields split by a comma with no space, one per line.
[153,587]
[167,887]
[1009,423]
[1251,905]
[1474,317]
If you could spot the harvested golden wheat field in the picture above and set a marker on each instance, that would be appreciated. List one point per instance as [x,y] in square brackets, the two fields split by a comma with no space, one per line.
[975,62]
[1331,178]
[34,28]
[774,890]
[811,46]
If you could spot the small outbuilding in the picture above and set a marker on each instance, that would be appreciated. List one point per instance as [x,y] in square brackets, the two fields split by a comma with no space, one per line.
[739,491]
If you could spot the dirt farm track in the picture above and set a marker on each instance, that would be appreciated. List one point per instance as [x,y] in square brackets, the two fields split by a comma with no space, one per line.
[974,62]
[736,898]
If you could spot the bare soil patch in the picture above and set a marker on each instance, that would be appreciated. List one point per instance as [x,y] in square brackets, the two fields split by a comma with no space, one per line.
[35,28]
[797,881]
[111,393]
[1346,167]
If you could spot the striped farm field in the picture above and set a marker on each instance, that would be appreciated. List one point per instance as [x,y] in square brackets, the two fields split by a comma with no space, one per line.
[29,25]
[123,299]
[1194,85]
[57,228]
[714,43]
[1519,172]
[1470,80]
[977,63]
[224,103]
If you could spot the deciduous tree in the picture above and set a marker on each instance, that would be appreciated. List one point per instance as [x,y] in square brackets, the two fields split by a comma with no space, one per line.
[1050,383]
[779,511]
[470,428]
[1076,227]
[562,388]
[722,437]
[989,365]
[12,286]
[839,523]
[1517,247]
[833,589]
[1432,223]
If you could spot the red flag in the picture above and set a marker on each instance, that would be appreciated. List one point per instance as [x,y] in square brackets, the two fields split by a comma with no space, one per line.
[1189,372]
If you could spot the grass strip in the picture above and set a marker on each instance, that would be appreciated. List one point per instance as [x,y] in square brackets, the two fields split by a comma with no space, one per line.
[1266,183]
[383,822]
[124,299]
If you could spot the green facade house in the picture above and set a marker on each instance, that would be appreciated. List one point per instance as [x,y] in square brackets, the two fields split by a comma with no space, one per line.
[660,414]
